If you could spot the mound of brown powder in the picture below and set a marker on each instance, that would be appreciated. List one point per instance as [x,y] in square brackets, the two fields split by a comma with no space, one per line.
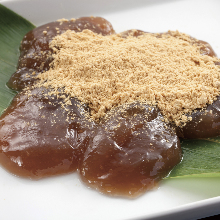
[107,71]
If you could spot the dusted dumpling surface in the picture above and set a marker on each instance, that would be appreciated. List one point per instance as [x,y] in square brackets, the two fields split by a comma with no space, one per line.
[35,53]
[125,153]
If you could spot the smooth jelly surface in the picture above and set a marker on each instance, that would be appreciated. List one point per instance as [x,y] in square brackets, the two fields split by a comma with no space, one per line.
[37,137]
[130,152]
[204,123]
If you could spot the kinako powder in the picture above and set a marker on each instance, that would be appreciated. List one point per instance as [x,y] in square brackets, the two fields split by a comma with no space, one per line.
[166,70]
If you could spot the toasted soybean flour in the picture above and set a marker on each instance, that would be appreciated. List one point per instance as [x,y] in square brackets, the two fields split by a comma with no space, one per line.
[166,70]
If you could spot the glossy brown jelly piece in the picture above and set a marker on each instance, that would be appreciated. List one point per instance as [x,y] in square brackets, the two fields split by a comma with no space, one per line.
[133,33]
[206,49]
[204,123]
[35,54]
[39,137]
[131,152]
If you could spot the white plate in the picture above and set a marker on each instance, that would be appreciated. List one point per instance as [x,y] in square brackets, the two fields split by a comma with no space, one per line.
[65,197]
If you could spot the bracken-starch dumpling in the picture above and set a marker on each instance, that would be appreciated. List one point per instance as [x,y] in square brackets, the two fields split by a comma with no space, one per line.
[111,106]
[131,151]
